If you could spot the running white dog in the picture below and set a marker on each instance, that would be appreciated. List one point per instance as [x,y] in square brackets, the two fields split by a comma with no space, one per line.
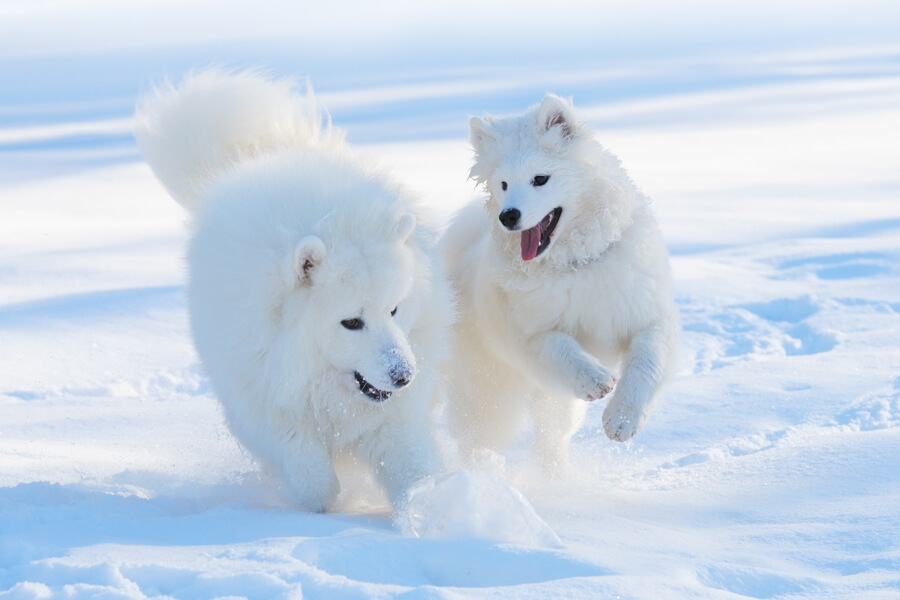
[316,301]
[563,281]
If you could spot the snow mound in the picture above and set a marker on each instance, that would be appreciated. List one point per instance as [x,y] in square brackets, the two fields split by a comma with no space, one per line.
[473,504]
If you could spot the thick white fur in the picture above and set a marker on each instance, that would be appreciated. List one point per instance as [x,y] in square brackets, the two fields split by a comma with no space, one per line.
[291,236]
[539,338]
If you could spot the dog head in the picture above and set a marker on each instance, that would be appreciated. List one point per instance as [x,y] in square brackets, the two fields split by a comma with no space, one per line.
[356,300]
[547,180]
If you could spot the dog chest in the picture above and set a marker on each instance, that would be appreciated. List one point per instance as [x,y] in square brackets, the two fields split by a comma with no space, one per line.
[601,304]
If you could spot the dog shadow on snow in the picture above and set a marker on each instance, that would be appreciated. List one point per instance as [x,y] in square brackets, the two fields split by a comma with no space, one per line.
[44,521]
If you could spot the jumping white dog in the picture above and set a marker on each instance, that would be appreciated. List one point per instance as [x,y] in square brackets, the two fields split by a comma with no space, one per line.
[563,281]
[317,302]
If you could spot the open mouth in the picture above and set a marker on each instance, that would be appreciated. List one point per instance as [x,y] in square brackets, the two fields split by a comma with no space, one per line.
[537,239]
[370,390]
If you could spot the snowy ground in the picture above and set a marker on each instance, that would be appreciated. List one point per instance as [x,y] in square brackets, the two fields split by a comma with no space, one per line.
[769,139]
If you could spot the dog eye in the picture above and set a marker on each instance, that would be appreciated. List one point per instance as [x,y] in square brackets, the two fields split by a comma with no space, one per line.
[503,185]
[539,180]
[394,312]
[352,324]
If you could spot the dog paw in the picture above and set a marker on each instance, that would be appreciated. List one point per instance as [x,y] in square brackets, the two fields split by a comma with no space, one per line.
[597,385]
[315,494]
[622,421]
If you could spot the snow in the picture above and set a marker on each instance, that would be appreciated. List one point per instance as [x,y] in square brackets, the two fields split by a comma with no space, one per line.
[465,504]
[768,135]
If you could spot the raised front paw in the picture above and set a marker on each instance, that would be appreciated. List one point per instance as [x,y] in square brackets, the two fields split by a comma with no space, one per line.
[596,384]
[622,420]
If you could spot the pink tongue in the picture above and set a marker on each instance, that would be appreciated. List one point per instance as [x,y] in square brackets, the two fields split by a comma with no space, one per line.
[531,239]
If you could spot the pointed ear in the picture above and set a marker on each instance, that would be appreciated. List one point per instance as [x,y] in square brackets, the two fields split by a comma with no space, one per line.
[404,227]
[481,133]
[306,258]
[558,112]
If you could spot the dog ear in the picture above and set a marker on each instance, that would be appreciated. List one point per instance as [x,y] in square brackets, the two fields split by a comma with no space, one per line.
[404,227]
[481,133]
[307,256]
[557,112]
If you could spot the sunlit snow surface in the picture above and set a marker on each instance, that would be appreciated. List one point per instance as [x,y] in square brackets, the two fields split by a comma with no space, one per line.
[768,136]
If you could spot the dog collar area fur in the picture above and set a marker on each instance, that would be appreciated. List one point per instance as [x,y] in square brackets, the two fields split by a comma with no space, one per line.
[580,263]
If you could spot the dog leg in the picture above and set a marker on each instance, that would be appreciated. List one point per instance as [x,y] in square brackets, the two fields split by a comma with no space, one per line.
[400,454]
[485,409]
[563,366]
[309,472]
[646,366]
[556,419]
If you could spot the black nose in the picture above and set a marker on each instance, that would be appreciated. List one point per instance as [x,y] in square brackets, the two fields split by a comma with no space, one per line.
[401,376]
[510,217]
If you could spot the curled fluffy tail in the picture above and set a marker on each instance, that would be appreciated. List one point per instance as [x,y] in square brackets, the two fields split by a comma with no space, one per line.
[215,119]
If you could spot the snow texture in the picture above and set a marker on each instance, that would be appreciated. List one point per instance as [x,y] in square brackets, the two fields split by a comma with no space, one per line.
[472,504]
[767,135]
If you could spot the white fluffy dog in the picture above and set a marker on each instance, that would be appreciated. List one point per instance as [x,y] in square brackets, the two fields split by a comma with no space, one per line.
[563,282]
[317,305]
